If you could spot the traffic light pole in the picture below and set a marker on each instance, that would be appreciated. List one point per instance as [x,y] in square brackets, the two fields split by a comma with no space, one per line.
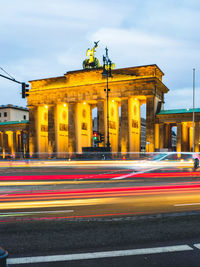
[10,79]
[24,85]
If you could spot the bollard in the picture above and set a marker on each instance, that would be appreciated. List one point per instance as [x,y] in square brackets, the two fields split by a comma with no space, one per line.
[3,257]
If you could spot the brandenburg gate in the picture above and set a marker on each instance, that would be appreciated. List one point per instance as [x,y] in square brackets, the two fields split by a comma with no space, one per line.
[60,109]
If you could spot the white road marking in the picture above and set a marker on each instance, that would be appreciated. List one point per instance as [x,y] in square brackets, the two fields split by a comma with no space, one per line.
[186,204]
[134,173]
[97,255]
[197,245]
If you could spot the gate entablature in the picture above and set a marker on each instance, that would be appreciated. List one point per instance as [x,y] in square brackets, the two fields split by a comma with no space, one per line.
[177,115]
[88,84]
[143,80]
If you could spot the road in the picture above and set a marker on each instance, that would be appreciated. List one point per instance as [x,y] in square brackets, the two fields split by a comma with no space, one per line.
[40,206]
[96,191]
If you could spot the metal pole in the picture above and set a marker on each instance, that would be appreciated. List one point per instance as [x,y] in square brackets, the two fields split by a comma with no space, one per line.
[193,107]
[108,141]
[10,79]
[107,71]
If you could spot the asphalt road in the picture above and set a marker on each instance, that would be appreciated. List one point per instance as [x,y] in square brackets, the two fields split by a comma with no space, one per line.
[83,209]
[148,239]
[83,192]
[100,202]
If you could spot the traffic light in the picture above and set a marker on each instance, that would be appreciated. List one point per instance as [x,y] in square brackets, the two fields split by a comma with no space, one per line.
[101,137]
[25,90]
[95,137]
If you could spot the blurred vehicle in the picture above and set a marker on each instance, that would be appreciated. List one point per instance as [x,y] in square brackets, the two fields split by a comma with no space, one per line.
[185,158]
[174,156]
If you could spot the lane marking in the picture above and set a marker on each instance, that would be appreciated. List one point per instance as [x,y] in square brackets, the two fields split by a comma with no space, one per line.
[186,204]
[197,245]
[97,255]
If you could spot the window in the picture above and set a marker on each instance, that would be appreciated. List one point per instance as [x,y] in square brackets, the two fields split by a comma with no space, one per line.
[24,117]
[5,114]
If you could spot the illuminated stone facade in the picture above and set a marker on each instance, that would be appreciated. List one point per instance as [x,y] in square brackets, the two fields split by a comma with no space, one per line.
[13,138]
[13,131]
[182,119]
[61,109]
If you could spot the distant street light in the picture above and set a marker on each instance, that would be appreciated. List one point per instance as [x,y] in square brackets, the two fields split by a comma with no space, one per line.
[107,66]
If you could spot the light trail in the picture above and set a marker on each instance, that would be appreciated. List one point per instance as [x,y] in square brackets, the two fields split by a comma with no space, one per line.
[107,195]
[96,163]
[24,213]
[100,176]
[86,196]
[187,204]
[94,202]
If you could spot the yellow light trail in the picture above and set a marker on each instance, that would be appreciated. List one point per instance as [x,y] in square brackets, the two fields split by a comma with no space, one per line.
[107,163]
[54,203]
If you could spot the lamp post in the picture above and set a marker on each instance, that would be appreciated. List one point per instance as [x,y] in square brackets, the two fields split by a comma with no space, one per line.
[107,66]
[193,117]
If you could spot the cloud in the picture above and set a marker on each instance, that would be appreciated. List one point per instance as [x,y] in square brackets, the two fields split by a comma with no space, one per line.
[132,37]
[47,38]
[182,98]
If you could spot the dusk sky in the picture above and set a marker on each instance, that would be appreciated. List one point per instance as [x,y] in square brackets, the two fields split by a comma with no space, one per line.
[45,38]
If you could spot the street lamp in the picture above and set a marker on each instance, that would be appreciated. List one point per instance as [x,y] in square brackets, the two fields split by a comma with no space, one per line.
[193,117]
[107,66]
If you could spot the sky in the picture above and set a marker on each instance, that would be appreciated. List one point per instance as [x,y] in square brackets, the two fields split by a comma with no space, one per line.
[47,38]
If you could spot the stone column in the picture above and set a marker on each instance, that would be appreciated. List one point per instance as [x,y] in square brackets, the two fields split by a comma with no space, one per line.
[196,136]
[20,141]
[71,127]
[179,137]
[124,126]
[14,143]
[1,142]
[51,130]
[161,135]
[5,144]
[167,136]
[91,126]
[32,131]
[150,123]
[157,136]
[101,120]
[170,136]
[23,145]
[184,138]
[134,124]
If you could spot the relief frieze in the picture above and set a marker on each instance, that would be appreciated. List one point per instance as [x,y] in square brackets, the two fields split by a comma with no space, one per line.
[63,127]
[44,128]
